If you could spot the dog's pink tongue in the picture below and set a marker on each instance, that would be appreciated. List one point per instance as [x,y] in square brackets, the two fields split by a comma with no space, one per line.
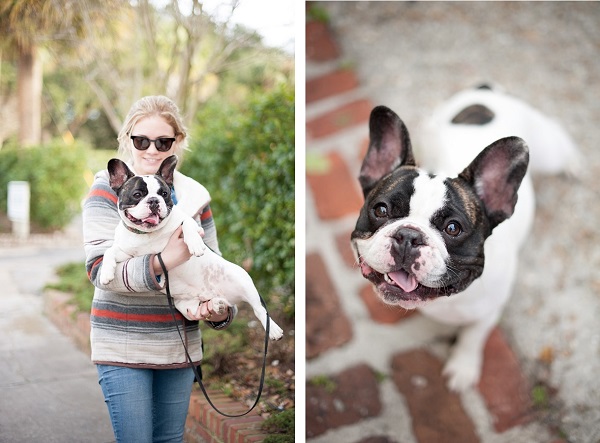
[407,282]
[152,219]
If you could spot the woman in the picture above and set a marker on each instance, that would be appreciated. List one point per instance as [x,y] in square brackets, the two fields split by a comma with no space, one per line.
[141,362]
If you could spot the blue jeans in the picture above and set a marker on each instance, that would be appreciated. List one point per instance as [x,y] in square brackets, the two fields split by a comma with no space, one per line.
[146,405]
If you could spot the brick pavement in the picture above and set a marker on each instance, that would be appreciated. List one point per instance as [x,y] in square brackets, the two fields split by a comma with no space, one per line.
[374,372]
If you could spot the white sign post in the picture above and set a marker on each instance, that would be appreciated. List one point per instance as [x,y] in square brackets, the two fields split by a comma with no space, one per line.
[18,208]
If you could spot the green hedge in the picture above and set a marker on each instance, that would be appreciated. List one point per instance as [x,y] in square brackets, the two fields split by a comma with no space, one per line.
[55,173]
[245,157]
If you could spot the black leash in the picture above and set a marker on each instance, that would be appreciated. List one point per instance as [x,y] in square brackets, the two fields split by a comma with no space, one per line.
[187,354]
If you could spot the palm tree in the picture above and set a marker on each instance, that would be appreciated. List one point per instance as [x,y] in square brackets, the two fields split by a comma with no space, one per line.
[26,26]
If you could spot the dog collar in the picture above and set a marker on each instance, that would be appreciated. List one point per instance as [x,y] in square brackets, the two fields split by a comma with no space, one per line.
[135,231]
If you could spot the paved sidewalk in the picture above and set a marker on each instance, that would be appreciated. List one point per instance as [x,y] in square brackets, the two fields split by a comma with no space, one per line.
[374,372]
[49,389]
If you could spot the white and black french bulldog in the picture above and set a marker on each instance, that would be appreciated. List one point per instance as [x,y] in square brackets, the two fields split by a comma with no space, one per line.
[423,236]
[148,219]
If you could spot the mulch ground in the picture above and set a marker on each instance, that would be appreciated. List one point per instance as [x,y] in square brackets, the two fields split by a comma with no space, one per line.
[238,373]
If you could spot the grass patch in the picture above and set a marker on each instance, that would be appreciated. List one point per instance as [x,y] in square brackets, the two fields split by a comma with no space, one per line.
[280,426]
[73,279]
[540,396]
[324,382]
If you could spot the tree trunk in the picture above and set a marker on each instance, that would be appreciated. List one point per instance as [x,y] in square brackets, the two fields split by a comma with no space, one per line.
[30,96]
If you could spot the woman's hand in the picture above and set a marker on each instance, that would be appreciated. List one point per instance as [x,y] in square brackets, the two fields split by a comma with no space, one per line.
[215,312]
[175,253]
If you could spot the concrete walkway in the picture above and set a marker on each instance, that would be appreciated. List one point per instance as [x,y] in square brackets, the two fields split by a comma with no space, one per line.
[49,389]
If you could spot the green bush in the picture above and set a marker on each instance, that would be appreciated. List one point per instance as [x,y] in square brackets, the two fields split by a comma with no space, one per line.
[73,279]
[281,426]
[245,157]
[55,173]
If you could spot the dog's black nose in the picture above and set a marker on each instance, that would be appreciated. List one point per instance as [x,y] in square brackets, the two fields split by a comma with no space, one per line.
[407,244]
[153,204]
[409,237]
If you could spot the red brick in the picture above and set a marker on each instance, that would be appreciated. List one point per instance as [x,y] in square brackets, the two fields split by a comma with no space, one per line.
[244,435]
[320,44]
[233,427]
[335,192]
[328,85]
[229,406]
[215,395]
[382,312]
[70,310]
[325,319]
[195,432]
[226,422]
[194,410]
[503,385]
[437,414]
[345,249]
[83,322]
[355,397]
[255,438]
[343,117]
[198,433]
[213,421]
[205,411]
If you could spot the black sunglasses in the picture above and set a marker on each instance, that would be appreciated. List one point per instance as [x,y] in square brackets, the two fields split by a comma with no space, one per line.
[141,143]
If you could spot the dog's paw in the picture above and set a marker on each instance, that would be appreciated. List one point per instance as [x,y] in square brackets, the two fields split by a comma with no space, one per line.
[462,373]
[196,246]
[106,280]
[106,277]
[219,305]
[275,332]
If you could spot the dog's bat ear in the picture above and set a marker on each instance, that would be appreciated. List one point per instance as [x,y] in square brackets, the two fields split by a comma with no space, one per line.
[167,169]
[496,174]
[119,173]
[389,147]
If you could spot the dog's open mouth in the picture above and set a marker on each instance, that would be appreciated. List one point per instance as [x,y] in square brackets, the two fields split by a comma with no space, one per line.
[405,281]
[150,221]
[400,286]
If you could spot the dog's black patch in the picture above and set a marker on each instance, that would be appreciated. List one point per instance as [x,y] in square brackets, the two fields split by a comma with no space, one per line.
[474,115]
[132,192]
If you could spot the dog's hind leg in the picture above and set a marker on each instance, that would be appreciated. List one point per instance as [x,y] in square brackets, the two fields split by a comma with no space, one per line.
[275,332]
[249,293]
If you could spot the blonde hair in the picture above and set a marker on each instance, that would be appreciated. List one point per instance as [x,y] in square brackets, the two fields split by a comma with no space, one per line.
[148,106]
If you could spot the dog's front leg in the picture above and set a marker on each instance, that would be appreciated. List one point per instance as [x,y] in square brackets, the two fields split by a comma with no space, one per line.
[112,256]
[192,236]
[463,367]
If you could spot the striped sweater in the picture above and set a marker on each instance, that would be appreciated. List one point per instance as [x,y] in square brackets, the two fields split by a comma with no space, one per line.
[131,322]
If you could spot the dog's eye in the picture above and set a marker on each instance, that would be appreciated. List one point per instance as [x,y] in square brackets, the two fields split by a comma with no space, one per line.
[137,195]
[453,228]
[164,194]
[380,210]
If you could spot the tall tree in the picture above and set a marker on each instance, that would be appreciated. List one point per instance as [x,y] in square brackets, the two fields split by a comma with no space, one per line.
[172,51]
[25,27]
